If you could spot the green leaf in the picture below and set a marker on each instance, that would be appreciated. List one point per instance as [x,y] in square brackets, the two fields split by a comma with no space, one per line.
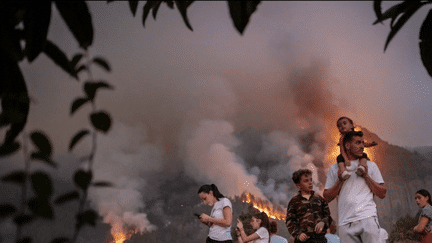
[41,184]
[73,195]
[9,148]
[392,12]
[15,177]
[41,207]
[77,138]
[146,11]
[155,8]
[23,219]
[6,210]
[426,28]
[41,141]
[401,21]
[11,36]
[377,9]
[43,145]
[133,5]
[102,184]
[88,217]
[101,62]
[59,58]
[78,19]
[60,240]
[182,7]
[241,12]
[15,102]
[90,88]
[36,22]
[80,68]
[78,103]
[101,121]
[82,179]
[426,43]
[75,60]
[149,6]
[170,4]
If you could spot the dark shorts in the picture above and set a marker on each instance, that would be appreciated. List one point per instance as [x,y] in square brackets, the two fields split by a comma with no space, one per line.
[216,241]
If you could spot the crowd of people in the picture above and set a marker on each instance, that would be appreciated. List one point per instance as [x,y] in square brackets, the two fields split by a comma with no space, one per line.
[354,180]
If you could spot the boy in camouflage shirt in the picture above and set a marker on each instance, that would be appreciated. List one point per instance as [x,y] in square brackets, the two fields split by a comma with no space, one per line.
[308,214]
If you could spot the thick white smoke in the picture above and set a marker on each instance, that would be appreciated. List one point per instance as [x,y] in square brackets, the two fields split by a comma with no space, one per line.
[123,157]
[211,159]
[286,151]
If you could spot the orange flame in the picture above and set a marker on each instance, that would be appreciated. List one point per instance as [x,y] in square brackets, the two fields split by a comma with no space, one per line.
[264,206]
[119,235]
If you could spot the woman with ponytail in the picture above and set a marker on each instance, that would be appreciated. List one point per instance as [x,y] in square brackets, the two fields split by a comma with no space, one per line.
[220,218]
[260,222]
[423,200]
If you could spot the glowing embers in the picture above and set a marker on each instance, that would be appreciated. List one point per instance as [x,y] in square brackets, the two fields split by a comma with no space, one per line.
[264,206]
[119,235]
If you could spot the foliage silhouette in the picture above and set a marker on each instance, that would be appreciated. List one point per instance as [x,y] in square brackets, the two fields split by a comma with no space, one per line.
[399,15]
[24,29]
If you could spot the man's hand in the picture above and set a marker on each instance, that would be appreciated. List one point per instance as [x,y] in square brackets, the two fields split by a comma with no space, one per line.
[319,227]
[364,173]
[303,237]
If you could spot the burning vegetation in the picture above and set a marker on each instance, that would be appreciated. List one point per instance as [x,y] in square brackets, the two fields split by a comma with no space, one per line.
[272,211]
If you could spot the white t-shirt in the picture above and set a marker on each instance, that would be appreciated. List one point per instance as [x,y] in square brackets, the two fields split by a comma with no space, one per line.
[263,234]
[355,201]
[218,232]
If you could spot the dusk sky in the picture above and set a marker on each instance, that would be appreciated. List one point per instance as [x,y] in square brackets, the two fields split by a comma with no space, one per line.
[388,93]
[197,101]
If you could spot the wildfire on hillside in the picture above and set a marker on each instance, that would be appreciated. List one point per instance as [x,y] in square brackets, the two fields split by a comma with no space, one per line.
[119,235]
[264,206]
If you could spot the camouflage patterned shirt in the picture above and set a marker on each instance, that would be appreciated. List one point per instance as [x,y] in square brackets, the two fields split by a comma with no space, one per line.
[304,214]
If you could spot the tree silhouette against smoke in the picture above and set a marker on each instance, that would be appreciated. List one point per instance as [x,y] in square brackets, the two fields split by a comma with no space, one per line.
[24,28]
[399,15]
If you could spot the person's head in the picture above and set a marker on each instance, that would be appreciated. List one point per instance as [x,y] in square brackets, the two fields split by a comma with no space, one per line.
[353,143]
[303,180]
[260,220]
[344,125]
[423,198]
[273,227]
[209,194]
[332,229]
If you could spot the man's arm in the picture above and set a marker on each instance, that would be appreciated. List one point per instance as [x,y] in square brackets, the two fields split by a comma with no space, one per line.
[378,189]
[331,193]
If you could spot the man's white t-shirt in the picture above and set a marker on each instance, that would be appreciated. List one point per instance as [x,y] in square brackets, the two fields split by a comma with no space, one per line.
[355,201]
[218,232]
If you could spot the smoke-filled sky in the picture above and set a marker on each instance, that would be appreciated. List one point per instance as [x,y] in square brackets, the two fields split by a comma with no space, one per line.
[164,72]
[240,111]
